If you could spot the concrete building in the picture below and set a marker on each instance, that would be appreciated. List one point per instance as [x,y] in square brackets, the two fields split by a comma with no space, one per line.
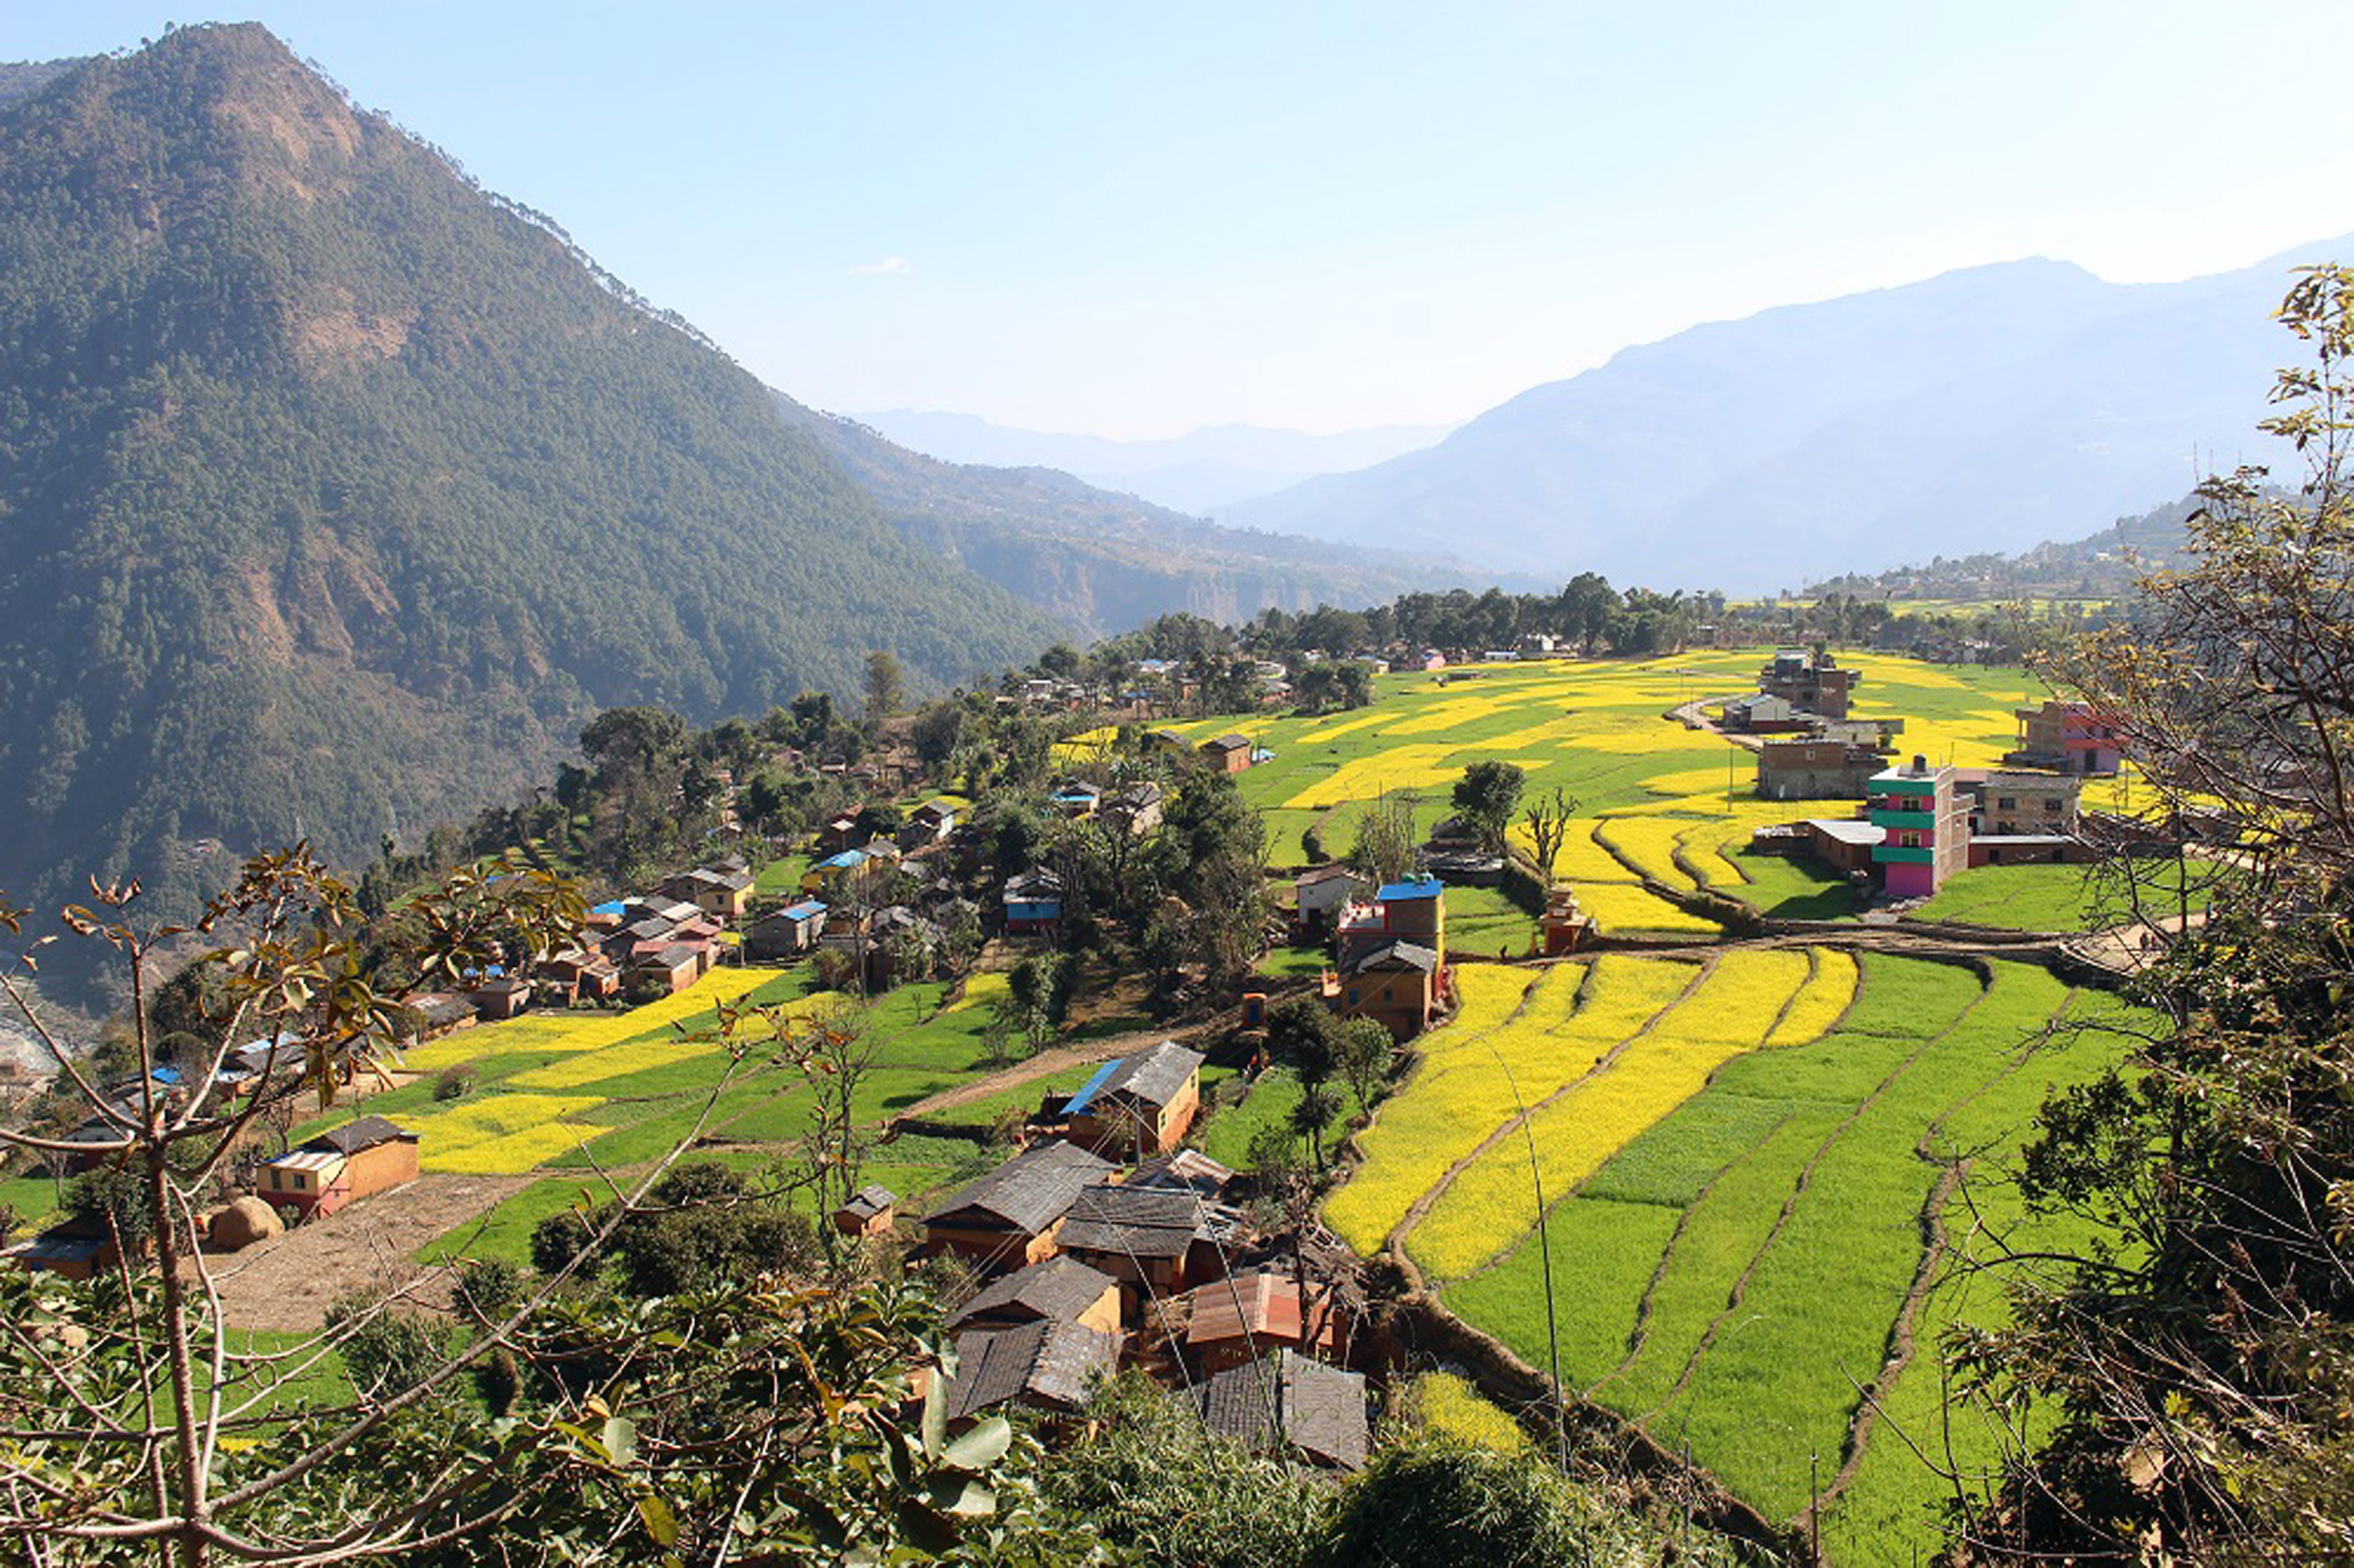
[1812,681]
[1926,819]
[2066,737]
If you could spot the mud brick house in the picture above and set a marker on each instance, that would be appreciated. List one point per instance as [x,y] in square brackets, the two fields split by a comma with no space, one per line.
[1157,1240]
[1047,1366]
[1059,1290]
[1140,1105]
[338,1165]
[1011,1217]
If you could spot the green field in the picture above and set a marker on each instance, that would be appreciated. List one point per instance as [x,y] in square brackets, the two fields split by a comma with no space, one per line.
[1742,1198]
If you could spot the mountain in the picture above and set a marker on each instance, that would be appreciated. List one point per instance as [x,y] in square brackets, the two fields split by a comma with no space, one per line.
[1983,409]
[337,492]
[1198,472]
[1105,562]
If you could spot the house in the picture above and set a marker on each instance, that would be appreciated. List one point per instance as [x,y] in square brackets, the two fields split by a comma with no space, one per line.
[1043,1365]
[338,1165]
[1033,902]
[1811,680]
[1816,768]
[1059,1290]
[2066,737]
[928,823]
[1075,800]
[500,995]
[64,1251]
[1845,844]
[1189,1169]
[1926,822]
[840,832]
[832,870]
[870,1212]
[2008,804]
[440,1012]
[1164,740]
[786,932]
[1538,645]
[1764,715]
[1290,1404]
[1228,753]
[1414,910]
[1139,1104]
[1156,1240]
[1397,982]
[1011,1216]
[724,893]
[1235,1320]
[665,968]
[581,976]
[1137,808]
[1320,892]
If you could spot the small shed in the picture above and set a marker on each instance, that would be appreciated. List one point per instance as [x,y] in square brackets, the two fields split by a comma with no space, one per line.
[1237,1320]
[870,1212]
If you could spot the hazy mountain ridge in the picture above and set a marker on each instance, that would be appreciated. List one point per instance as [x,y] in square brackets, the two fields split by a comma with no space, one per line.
[1203,470]
[1992,408]
[1105,562]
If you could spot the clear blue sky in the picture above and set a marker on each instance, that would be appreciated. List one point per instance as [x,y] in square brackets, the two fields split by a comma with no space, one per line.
[1133,220]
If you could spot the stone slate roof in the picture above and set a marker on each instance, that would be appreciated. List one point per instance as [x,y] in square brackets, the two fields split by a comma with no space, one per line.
[1153,1076]
[870,1201]
[1030,1190]
[366,1133]
[1054,1291]
[1138,1222]
[1049,1364]
[1317,1409]
[1411,954]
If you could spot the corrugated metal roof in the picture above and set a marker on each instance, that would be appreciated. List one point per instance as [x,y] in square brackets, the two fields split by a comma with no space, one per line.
[1092,1087]
[308,1159]
[1419,888]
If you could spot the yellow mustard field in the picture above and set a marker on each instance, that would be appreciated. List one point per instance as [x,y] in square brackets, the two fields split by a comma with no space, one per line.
[585,1030]
[1463,1090]
[1820,1001]
[1490,1205]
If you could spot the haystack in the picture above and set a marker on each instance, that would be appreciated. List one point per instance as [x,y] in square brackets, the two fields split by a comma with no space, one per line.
[242,1224]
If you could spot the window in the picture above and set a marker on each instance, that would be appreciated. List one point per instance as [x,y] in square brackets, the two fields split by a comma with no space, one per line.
[2006,803]
[2052,804]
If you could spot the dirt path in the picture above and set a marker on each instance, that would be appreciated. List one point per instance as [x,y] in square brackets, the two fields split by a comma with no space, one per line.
[287,1282]
[1045,1064]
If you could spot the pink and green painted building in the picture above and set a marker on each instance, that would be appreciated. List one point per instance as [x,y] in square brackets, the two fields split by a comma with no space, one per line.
[1925,826]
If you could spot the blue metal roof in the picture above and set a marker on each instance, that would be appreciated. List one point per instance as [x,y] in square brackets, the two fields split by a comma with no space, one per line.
[846,859]
[1089,1090]
[614,907]
[1419,888]
[806,909]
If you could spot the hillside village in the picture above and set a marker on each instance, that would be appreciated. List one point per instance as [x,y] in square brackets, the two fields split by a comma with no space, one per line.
[1122,877]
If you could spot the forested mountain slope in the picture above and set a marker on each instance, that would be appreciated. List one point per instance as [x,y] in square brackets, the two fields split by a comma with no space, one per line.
[335,491]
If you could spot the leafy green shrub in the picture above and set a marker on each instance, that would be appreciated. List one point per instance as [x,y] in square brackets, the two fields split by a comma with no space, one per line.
[455,1083]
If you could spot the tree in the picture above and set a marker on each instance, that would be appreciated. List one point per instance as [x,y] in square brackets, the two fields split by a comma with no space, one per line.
[1366,1053]
[1548,819]
[1485,797]
[885,691]
[1318,1109]
[2200,1359]
[1384,848]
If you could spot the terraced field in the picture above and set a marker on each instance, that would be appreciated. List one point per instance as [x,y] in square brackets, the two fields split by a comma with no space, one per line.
[1674,804]
[587,1092]
[1760,1172]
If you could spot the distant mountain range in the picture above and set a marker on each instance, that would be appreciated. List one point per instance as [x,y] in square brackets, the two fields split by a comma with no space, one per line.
[1197,473]
[1985,410]
[337,492]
